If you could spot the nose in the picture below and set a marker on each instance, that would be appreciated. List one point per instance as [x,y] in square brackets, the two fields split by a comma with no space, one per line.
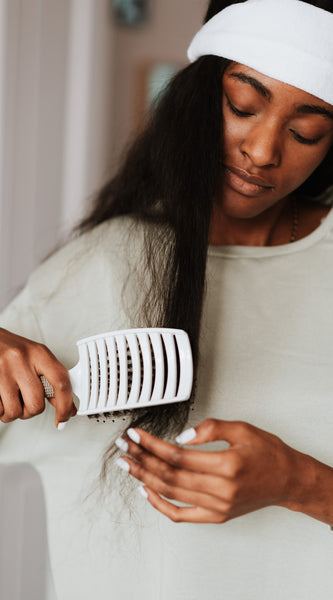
[262,145]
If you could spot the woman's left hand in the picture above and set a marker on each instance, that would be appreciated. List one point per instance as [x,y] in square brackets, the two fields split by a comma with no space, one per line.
[257,470]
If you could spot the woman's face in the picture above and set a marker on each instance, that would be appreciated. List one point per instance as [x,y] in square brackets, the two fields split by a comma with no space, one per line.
[274,137]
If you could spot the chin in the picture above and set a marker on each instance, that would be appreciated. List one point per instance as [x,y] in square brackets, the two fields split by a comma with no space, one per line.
[248,208]
[238,206]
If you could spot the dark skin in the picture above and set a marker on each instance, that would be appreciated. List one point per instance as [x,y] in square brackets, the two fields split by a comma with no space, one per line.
[266,138]
[271,134]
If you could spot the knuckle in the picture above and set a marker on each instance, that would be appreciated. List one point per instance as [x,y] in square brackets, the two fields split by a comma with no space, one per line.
[11,414]
[41,350]
[233,466]
[166,491]
[13,354]
[210,425]
[168,475]
[63,383]
[176,456]
[244,428]
[232,494]
[223,518]
[36,407]
[175,516]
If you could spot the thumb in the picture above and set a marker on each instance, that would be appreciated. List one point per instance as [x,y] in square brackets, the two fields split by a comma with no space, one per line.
[54,403]
[212,430]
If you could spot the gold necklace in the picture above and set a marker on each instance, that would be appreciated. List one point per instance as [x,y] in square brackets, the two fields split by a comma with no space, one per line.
[294,229]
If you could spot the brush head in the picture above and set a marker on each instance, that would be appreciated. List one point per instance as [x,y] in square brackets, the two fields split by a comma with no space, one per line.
[132,368]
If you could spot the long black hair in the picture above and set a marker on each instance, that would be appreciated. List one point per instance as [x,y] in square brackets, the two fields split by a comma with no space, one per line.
[169,176]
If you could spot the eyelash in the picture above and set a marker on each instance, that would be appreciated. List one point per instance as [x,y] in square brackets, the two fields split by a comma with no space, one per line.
[299,138]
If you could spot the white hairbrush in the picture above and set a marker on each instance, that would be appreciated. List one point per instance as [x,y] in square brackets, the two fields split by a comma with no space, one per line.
[132,368]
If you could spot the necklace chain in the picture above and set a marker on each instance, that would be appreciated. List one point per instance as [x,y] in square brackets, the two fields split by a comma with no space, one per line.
[294,229]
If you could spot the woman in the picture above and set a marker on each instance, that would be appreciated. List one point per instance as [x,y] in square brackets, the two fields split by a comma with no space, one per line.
[236,159]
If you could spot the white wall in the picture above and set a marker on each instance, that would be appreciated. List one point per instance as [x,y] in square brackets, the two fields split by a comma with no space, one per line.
[55,116]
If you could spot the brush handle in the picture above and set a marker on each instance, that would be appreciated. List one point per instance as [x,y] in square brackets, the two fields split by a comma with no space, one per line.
[48,389]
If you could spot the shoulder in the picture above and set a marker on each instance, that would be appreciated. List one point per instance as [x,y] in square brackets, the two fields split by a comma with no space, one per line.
[108,244]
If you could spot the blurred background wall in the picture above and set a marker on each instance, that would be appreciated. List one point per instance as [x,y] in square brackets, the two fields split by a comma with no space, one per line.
[73,89]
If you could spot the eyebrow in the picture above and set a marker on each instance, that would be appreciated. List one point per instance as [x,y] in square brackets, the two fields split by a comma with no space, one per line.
[263,90]
[314,109]
[309,109]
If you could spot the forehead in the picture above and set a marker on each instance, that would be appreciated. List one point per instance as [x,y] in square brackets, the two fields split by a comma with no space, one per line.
[269,88]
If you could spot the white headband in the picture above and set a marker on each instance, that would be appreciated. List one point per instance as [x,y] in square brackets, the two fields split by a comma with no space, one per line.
[288,40]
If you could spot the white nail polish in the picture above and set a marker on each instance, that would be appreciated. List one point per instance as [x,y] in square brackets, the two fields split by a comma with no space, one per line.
[61,426]
[187,436]
[123,464]
[133,435]
[122,444]
[142,491]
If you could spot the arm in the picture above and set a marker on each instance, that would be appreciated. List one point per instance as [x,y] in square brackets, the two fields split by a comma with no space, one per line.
[257,470]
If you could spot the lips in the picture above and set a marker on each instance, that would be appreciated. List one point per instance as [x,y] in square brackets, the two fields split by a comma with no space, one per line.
[250,178]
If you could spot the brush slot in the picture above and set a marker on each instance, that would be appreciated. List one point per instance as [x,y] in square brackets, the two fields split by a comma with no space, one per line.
[147,367]
[123,375]
[171,385]
[134,364]
[177,366]
[94,375]
[112,371]
[158,367]
[129,369]
[103,374]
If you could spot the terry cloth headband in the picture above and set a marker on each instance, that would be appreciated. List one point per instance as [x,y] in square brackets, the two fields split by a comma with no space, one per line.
[288,40]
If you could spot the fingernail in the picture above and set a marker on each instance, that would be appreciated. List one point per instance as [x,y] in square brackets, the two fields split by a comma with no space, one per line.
[133,435]
[122,444]
[142,491]
[187,436]
[123,464]
[61,426]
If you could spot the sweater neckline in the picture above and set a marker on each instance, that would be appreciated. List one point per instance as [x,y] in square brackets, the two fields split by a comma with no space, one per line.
[265,251]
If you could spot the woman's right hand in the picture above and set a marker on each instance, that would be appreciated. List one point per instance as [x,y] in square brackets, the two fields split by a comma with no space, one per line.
[22,361]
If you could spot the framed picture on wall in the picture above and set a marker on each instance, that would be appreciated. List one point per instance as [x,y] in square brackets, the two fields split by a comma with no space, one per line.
[130,12]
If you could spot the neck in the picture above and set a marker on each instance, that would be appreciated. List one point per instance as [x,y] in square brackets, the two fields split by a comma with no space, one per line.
[272,227]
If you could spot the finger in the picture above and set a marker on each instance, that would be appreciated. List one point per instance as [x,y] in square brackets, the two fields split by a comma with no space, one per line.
[12,405]
[31,394]
[188,496]
[54,404]
[63,402]
[213,430]
[193,460]
[182,514]
[45,363]
[63,399]
[1,408]
[215,485]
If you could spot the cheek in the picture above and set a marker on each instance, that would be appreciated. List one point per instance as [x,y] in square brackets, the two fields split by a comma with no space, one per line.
[303,163]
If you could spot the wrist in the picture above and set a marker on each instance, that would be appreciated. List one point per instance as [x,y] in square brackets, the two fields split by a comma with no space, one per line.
[301,482]
[310,488]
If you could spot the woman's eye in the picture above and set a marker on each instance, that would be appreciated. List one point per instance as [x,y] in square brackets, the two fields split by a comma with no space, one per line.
[303,140]
[237,112]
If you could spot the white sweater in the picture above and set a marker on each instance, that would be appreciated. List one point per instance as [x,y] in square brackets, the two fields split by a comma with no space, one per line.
[266,358]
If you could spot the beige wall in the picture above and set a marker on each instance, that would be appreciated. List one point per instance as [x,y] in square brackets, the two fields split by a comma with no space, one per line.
[165,38]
